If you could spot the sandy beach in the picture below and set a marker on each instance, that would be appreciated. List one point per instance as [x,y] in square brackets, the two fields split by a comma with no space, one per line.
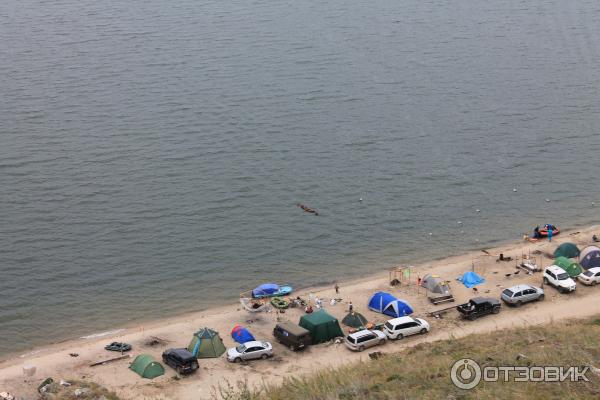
[55,361]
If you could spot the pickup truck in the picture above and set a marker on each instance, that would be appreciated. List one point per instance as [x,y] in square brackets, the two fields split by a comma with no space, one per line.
[478,307]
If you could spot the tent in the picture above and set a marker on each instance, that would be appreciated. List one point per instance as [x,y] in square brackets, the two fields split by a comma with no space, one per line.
[590,257]
[206,343]
[321,325]
[470,279]
[145,366]
[266,289]
[387,304]
[354,320]
[568,250]
[435,284]
[571,267]
[241,334]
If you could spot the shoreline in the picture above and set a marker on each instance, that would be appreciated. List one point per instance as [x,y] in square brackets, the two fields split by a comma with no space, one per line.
[152,322]
[53,359]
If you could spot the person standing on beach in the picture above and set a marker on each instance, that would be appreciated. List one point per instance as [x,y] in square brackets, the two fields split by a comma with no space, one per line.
[350,307]
[337,289]
[550,233]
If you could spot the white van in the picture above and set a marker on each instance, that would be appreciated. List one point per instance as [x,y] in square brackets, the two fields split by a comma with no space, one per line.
[397,328]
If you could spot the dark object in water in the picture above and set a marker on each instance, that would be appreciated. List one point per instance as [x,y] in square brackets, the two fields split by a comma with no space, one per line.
[307,209]
[118,346]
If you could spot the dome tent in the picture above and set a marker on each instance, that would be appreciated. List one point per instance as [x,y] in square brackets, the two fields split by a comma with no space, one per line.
[145,366]
[568,250]
[241,334]
[570,267]
[206,343]
[435,284]
[355,320]
[590,257]
[387,304]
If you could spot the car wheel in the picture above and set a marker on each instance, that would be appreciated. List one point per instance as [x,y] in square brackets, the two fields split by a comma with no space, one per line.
[237,360]
[400,336]
[264,356]
[518,303]
[496,310]
[546,281]
[361,348]
[423,331]
[472,317]
[541,297]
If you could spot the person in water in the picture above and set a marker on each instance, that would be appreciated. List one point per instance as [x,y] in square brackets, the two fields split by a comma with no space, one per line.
[536,233]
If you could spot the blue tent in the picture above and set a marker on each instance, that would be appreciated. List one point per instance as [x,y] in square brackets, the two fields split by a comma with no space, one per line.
[241,334]
[470,279]
[387,304]
[590,257]
[266,289]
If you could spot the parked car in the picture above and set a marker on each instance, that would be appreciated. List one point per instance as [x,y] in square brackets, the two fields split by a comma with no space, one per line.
[250,351]
[118,346]
[181,360]
[478,307]
[397,328]
[590,277]
[358,341]
[519,294]
[291,335]
[559,278]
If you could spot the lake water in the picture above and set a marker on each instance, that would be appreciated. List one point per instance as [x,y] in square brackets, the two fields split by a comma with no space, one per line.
[152,153]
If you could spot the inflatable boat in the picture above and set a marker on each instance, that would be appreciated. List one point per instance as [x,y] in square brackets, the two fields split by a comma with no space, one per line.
[544,231]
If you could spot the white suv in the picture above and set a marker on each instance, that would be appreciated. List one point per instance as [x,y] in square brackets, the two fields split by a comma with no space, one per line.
[397,328]
[558,277]
[360,340]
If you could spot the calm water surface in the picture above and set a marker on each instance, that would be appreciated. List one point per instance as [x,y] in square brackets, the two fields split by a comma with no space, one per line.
[152,153]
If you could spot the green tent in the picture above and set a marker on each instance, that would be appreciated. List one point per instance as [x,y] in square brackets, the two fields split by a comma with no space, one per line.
[322,326]
[571,267]
[568,250]
[206,343]
[145,366]
[355,320]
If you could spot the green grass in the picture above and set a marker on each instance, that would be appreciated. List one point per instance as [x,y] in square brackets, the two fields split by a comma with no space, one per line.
[423,371]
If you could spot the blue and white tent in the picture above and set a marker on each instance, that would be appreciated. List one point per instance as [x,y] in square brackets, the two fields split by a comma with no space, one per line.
[590,257]
[471,279]
[387,304]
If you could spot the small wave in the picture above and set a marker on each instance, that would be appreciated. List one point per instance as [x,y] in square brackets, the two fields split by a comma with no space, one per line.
[101,334]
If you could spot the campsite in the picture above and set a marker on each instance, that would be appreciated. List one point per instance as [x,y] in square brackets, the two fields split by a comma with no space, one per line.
[208,334]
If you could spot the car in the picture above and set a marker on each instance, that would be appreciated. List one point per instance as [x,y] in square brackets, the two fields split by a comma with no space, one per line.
[398,328]
[559,278]
[590,277]
[293,336]
[519,294]
[181,360]
[478,307]
[358,341]
[118,346]
[250,351]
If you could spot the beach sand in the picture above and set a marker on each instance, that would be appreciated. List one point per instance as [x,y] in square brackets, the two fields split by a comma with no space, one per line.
[55,361]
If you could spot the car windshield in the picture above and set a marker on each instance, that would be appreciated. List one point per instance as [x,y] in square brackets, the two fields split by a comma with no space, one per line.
[563,276]
[388,325]
[508,292]
[350,339]
[240,349]
[588,273]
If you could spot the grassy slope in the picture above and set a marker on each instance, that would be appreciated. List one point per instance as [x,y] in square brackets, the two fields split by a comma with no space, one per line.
[423,371]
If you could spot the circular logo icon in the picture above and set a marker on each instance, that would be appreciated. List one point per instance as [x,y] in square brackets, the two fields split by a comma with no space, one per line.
[465,373]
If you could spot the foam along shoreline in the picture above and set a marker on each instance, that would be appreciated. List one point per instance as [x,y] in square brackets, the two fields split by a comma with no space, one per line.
[55,361]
